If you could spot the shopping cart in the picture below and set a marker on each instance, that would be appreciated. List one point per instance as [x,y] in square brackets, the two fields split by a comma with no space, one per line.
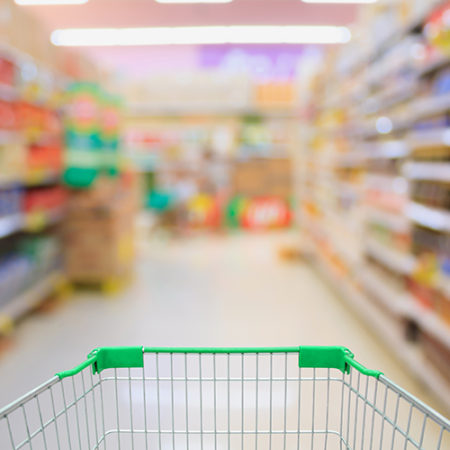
[185,398]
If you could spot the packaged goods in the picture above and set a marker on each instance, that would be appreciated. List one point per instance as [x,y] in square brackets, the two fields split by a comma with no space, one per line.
[11,201]
[437,30]
[26,261]
[99,233]
[7,71]
[262,176]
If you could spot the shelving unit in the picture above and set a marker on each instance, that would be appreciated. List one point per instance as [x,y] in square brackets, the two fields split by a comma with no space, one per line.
[372,133]
[30,298]
[11,224]
[31,147]
[388,332]
[429,217]
[395,260]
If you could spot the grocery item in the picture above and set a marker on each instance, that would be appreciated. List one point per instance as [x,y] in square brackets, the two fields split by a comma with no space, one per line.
[98,233]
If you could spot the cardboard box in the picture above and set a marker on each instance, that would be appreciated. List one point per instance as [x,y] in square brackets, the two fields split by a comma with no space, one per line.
[96,252]
[99,234]
[263,177]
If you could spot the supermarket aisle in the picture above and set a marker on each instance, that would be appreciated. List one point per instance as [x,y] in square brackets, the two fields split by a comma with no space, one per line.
[205,291]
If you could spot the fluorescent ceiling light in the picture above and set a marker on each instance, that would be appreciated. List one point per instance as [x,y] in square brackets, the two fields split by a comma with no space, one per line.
[340,1]
[236,34]
[194,1]
[50,2]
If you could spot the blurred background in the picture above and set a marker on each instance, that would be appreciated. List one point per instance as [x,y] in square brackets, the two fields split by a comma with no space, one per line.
[225,173]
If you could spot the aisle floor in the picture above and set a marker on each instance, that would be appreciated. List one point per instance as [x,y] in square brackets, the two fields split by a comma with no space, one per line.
[205,291]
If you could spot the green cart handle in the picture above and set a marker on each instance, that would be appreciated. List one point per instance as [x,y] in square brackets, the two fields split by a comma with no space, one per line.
[309,357]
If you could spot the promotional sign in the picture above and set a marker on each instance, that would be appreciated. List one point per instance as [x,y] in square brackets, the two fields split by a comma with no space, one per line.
[110,129]
[92,125]
[83,135]
[235,210]
[258,213]
[268,212]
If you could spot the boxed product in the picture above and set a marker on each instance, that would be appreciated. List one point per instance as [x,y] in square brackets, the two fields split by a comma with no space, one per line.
[262,177]
[279,177]
[248,178]
[98,234]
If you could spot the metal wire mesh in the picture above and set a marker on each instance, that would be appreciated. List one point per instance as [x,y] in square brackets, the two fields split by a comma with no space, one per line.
[260,401]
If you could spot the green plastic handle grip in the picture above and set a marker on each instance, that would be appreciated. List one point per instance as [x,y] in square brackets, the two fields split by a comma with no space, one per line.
[309,357]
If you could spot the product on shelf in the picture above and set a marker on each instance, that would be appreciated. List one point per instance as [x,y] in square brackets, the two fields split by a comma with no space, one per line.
[437,29]
[14,274]
[432,194]
[7,71]
[376,158]
[44,199]
[11,201]
[25,262]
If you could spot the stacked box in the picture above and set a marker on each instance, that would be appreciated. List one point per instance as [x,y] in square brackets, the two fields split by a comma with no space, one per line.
[99,234]
[260,177]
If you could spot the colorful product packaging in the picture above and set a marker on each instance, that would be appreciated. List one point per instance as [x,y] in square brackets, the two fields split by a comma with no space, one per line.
[110,133]
[83,135]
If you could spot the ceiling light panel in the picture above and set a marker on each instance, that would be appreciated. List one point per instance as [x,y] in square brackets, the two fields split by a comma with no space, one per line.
[235,34]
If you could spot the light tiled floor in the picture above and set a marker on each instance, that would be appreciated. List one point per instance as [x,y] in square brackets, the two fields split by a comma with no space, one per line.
[204,291]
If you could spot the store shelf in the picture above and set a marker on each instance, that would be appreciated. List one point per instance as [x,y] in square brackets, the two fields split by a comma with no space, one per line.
[433,66]
[344,243]
[427,171]
[11,224]
[38,178]
[388,332]
[352,159]
[378,286]
[28,300]
[431,323]
[400,122]
[397,185]
[393,221]
[388,150]
[378,292]
[397,261]
[39,220]
[41,177]
[429,138]
[350,187]
[392,39]
[390,97]
[443,285]
[430,106]
[426,216]
[31,222]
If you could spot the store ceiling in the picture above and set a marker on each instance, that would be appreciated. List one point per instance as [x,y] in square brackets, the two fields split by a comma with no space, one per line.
[147,13]
[129,13]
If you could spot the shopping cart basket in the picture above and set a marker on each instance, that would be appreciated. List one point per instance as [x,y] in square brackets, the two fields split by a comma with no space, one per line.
[257,398]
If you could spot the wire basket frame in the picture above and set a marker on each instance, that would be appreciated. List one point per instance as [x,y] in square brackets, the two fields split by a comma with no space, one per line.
[258,400]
